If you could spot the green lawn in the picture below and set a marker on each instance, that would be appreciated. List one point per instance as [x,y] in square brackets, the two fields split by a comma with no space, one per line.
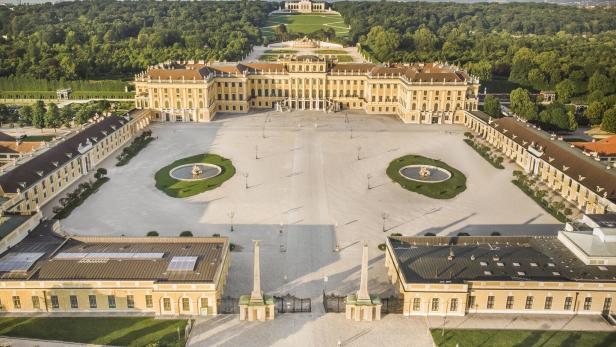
[117,331]
[269,57]
[523,338]
[184,189]
[38,138]
[306,23]
[442,190]
[330,51]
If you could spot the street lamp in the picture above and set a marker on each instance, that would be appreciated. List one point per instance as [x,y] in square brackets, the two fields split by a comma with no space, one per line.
[257,152]
[231,215]
[358,152]
[246,179]
[369,176]
[384,216]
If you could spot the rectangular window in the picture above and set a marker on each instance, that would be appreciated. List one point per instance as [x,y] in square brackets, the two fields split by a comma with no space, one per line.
[416,304]
[167,304]
[607,306]
[92,301]
[548,302]
[55,303]
[509,305]
[16,302]
[148,301]
[435,304]
[130,301]
[587,303]
[568,301]
[74,302]
[490,304]
[204,303]
[111,301]
[185,304]
[471,302]
[453,305]
[529,303]
[36,304]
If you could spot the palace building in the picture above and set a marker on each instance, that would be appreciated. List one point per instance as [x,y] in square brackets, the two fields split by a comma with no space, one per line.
[50,274]
[586,183]
[29,185]
[305,6]
[430,93]
[454,276]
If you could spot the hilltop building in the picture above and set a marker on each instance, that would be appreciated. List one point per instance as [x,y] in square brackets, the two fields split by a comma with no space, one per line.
[430,93]
[306,6]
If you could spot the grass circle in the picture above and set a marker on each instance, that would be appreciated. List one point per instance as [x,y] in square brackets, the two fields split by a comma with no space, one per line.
[441,190]
[183,189]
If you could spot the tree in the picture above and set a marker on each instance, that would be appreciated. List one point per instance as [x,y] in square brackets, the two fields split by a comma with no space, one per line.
[573,125]
[382,43]
[595,111]
[152,233]
[522,105]
[609,120]
[281,32]
[424,39]
[25,114]
[67,113]
[492,106]
[482,69]
[599,82]
[565,90]
[100,173]
[6,115]
[186,233]
[38,115]
[52,117]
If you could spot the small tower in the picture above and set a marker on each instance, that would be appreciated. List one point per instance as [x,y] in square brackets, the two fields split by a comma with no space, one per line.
[363,306]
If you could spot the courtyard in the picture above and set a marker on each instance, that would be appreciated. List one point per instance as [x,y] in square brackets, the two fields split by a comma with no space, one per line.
[306,23]
[300,188]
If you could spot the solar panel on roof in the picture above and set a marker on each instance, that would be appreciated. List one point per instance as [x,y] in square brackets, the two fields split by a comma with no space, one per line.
[182,264]
[19,261]
[106,255]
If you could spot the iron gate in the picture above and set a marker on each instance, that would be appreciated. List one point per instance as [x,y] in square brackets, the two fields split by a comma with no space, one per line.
[391,305]
[292,304]
[228,305]
[334,303]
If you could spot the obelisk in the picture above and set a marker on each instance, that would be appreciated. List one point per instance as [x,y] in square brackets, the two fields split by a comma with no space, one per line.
[362,294]
[256,295]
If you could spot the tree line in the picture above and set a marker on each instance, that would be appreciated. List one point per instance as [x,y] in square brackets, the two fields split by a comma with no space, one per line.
[96,39]
[50,116]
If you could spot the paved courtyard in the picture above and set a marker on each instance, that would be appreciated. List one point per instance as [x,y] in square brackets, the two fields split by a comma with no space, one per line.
[308,183]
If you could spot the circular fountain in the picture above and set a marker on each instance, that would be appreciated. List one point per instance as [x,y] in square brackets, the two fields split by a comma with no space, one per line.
[195,172]
[425,173]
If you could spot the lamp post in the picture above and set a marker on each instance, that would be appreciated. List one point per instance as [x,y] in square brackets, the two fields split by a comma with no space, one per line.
[231,215]
[384,216]
[358,152]
[246,180]
[257,152]
[369,176]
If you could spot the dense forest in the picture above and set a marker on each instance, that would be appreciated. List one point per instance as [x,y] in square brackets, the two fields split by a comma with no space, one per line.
[107,39]
[535,46]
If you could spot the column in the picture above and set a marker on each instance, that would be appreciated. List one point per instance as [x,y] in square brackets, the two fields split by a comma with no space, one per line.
[363,294]
[256,294]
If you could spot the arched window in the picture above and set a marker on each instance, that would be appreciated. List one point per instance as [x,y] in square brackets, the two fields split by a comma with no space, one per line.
[166,104]
[200,104]
[423,107]
[413,107]
[447,107]
[155,103]
[190,104]
[435,107]
[177,104]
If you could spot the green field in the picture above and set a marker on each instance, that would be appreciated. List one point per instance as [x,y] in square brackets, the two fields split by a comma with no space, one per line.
[305,23]
[117,331]
[523,338]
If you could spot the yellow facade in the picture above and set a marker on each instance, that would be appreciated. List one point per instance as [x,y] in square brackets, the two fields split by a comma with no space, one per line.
[307,83]
[517,297]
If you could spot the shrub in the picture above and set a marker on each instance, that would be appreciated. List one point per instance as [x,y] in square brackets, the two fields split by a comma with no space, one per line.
[495,233]
[232,246]
[396,234]
[429,234]
[382,246]
[464,234]
[152,233]
[186,233]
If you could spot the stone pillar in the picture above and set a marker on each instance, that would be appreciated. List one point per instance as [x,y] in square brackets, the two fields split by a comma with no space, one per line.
[256,294]
[363,294]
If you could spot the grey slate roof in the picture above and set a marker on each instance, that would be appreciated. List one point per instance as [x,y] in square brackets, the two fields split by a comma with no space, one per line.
[424,259]
[27,173]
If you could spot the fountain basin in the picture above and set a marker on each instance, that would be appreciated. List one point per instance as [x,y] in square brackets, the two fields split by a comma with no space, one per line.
[186,172]
[417,173]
